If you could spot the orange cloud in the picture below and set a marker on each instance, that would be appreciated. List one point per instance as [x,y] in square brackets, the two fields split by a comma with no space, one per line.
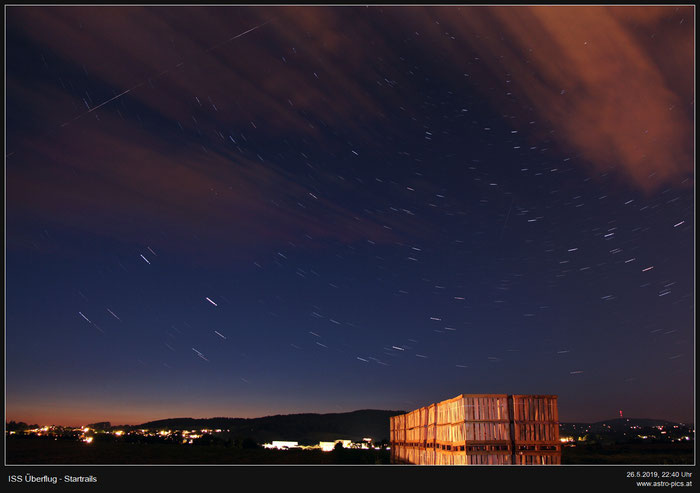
[303,65]
[116,180]
[599,78]
[615,84]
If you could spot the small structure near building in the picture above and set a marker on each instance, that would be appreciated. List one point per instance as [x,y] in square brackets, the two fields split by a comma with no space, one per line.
[281,445]
[329,446]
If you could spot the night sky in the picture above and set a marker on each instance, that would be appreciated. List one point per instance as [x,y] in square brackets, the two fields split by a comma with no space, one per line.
[247,211]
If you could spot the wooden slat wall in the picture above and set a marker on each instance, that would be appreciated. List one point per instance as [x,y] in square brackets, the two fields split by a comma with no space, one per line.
[532,432]
[536,430]
[476,429]
[488,431]
[536,419]
[460,459]
[537,459]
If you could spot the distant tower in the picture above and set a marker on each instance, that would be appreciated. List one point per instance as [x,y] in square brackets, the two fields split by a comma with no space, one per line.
[620,412]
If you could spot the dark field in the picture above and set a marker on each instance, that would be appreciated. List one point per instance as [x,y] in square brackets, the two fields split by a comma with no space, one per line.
[634,453]
[23,451]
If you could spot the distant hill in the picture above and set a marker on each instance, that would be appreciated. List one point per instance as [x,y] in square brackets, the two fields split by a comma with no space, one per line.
[311,428]
[635,422]
[303,428]
[616,425]
[624,423]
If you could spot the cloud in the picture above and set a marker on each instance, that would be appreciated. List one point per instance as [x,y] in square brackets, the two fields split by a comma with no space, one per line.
[163,156]
[116,180]
[613,83]
[304,66]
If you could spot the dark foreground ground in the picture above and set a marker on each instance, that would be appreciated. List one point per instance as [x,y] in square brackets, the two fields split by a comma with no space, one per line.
[23,451]
[27,451]
[633,453]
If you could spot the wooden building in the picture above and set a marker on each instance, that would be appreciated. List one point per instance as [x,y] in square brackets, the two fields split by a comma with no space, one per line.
[480,429]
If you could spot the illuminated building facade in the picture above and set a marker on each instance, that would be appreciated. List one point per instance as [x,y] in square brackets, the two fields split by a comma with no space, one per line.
[481,429]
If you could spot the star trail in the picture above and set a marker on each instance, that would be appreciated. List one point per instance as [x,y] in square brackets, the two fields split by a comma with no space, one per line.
[248,211]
